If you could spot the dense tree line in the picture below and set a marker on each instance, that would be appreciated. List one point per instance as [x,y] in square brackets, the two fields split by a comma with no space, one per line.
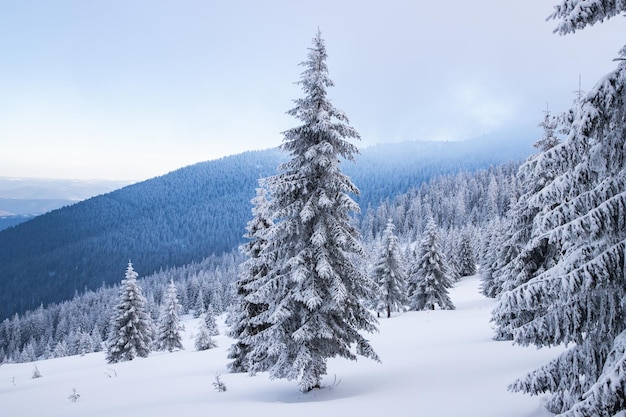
[456,203]
[82,324]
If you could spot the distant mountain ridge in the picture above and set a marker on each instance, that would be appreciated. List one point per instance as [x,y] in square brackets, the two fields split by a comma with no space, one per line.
[55,189]
[191,213]
[30,207]
[23,198]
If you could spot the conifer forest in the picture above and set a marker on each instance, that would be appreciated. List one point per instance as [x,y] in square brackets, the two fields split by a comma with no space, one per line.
[304,250]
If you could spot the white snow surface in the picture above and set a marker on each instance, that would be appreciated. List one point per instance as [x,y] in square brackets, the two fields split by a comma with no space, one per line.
[434,363]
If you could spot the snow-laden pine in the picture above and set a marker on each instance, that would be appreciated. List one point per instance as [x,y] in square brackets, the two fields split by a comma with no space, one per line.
[517,255]
[207,328]
[209,320]
[575,15]
[430,277]
[242,320]
[466,256]
[314,290]
[169,326]
[575,296]
[549,139]
[389,272]
[130,330]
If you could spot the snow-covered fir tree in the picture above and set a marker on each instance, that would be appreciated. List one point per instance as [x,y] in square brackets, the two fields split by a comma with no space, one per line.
[493,236]
[520,253]
[511,260]
[549,139]
[451,250]
[204,339]
[169,326]
[60,350]
[199,306]
[429,283]
[209,320]
[28,353]
[577,298]
[243,320]
[130,330]
[315,288]
[389,272]
[207,328]
[467,259]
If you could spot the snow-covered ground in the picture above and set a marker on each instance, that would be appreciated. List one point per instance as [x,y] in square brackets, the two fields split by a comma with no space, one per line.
[434,363]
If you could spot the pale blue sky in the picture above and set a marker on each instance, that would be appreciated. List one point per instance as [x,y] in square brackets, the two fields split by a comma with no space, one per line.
[133,89]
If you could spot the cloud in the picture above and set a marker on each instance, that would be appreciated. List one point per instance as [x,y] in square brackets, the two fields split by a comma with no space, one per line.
[198,80]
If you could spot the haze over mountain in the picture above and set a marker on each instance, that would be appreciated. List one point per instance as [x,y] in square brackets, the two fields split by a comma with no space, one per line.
[24,198]
[194,212]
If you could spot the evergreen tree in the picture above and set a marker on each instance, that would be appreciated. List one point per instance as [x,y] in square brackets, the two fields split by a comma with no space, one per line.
[521,253]
[28,353]
[85,343]
[390,274]
[96,338]
[431,279]
[169,327]
[244,319]
[217,299]
[549,139]
[467,260]
[578,297]
[209,320]
[200,305]
[130,330]
[513,260]
[451,252]
[204,339]
[60,350]
[315,288]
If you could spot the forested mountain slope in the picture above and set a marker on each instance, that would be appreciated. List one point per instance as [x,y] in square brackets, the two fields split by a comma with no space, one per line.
[192,213]
[464,205]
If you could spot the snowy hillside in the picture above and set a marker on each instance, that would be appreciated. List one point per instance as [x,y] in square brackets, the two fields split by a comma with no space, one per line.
[434,363]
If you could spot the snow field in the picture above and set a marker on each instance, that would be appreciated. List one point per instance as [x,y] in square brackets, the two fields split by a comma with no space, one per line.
[434,363]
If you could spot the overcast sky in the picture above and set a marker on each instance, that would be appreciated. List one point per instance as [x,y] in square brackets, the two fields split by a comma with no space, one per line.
[127,89]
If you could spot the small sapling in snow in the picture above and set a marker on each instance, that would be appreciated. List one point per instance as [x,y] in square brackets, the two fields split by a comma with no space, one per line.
[74,396]
[219,385]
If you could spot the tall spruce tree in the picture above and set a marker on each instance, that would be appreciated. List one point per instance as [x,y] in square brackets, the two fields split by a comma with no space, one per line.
[209,320]
[315,288]
[244,319]
[578,297]
[390,274]
[467,259]
[431,280]
[513,260]
[491,240]
[522,253]
[130,331]
[169,326]
[549,139]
